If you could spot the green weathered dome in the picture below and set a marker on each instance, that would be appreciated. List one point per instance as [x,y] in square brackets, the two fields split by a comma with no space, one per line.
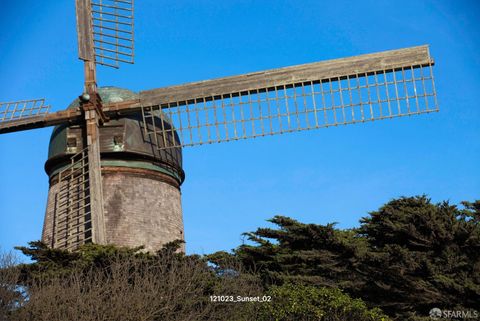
[123,142]
[58,140]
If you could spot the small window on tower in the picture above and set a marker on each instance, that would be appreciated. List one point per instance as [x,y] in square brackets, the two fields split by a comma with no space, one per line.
[117,143]
[71,142]
[118,140]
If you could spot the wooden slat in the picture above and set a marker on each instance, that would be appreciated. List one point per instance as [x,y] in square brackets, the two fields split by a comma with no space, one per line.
[115,110]
[84,30]
[269,79]
[95,177]
[69,116]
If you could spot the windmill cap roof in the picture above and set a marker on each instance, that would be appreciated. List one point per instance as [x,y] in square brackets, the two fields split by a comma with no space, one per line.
[123,142]
[110,94]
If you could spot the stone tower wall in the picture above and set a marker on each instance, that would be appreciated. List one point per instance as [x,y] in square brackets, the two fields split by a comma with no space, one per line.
[48,223]
[142,208]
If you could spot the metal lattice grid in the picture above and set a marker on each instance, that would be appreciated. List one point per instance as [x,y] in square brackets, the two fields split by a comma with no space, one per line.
[72,215]
[112,24]
[295,107]
[22,109]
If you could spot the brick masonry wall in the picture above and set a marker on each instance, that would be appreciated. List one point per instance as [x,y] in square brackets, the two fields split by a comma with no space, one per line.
[141,209]
[47,233]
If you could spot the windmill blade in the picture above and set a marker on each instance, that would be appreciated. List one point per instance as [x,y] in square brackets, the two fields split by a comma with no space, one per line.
[15,117]
[343,91]
[105,31]
[75,221]
[22,109]
[72,216]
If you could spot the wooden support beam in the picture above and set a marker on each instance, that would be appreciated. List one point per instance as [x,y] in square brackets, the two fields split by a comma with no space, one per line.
[223,87]
[269,79]
[69,116]
[84,30]
[95,176]
[115,110]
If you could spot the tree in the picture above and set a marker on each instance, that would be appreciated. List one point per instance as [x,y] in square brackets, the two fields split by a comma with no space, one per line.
[109,283]
[10,295]
[309,303]
[422,255]
[406,258]
[312,254]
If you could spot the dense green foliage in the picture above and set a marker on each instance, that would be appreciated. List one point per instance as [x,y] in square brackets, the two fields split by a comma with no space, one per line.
[300,302]
[110,283]
[406,258]
[310,253]
[422,256]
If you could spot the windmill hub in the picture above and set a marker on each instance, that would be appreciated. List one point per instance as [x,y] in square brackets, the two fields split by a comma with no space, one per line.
[85,97]
[141,184]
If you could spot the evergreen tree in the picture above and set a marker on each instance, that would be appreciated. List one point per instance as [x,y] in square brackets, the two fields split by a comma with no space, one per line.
[293,302]
[422,255]
[302,253]
[406,258]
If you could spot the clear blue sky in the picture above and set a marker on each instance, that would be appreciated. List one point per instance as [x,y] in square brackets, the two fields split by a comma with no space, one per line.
[328,175]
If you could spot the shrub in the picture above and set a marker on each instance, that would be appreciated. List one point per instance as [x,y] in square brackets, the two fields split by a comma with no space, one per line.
[304,303]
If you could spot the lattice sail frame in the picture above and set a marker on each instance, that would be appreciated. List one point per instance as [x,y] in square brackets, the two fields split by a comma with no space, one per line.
[72,221]
[113,37]
[23,109]
[294,107]
[105,31]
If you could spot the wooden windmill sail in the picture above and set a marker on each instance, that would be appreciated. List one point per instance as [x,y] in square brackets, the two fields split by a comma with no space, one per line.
[343,91]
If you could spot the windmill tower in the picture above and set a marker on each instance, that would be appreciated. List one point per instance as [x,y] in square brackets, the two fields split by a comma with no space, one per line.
[115,156]
[140,183]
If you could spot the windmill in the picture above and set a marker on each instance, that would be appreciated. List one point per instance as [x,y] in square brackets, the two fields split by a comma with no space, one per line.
[97,128]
